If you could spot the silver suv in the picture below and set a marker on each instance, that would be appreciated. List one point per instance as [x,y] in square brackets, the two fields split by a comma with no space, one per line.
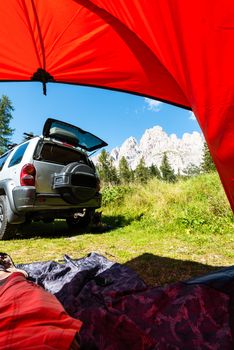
[48,177]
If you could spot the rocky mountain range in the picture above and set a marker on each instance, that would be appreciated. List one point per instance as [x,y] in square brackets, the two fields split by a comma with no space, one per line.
[181,152]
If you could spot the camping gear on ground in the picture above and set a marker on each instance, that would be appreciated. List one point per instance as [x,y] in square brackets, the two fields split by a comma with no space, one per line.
[119,311]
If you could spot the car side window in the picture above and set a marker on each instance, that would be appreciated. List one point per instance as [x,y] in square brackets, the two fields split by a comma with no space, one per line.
[18,155]
[3,159]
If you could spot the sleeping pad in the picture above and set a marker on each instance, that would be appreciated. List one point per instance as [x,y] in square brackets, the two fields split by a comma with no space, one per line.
[119,311]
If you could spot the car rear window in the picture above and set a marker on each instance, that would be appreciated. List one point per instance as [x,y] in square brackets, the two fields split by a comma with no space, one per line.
[59,154]
[18,155]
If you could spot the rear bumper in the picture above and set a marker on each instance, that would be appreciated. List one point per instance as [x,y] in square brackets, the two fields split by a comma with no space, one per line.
[23,197]
[26,199]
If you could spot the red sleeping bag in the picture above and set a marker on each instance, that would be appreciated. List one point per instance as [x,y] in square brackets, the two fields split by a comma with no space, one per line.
[31,318]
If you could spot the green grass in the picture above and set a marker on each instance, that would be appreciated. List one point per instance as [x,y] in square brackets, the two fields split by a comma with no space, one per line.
[165,232]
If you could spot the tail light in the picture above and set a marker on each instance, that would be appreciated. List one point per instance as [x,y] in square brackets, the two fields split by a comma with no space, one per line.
[28,175]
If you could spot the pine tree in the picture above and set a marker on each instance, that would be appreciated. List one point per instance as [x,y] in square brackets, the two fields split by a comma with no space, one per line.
[141,172]
[107,171]
[166,170]
[154,171]
[6,132]
[207,164]
[125,173]
[192,170]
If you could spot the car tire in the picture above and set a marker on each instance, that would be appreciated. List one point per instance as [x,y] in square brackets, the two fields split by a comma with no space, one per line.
[78,193]
[7,230]
[81,222]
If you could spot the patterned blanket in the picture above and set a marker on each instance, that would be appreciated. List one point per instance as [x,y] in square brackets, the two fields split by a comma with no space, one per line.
[119,311]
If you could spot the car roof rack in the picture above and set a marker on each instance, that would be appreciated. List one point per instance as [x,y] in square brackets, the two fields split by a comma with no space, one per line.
[11,145]
[28,135]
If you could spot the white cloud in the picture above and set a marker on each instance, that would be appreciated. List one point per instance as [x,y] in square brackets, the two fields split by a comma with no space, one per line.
[192,115]
[152,105]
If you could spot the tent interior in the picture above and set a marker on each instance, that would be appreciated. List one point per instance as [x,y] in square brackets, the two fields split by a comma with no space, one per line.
[179,52]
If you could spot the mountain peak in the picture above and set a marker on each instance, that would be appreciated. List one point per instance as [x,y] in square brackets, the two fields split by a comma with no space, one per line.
[155,142]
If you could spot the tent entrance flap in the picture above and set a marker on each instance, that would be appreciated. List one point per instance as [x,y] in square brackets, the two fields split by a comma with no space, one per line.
[177,51]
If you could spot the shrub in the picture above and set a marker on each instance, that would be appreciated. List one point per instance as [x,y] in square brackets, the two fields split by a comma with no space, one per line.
[114,194]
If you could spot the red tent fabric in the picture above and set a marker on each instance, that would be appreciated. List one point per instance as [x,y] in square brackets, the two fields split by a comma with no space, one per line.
[176,51]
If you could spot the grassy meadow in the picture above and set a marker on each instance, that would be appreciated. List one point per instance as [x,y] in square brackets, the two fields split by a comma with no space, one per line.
[166,232]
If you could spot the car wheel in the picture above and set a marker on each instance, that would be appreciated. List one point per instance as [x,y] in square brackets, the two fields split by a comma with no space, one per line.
[82,184]
[6,230]
[81,222]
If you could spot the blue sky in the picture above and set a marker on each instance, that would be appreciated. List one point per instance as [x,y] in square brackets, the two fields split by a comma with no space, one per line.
[111,115]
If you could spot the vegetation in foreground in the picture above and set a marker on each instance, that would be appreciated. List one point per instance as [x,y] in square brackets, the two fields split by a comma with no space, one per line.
[165,231]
